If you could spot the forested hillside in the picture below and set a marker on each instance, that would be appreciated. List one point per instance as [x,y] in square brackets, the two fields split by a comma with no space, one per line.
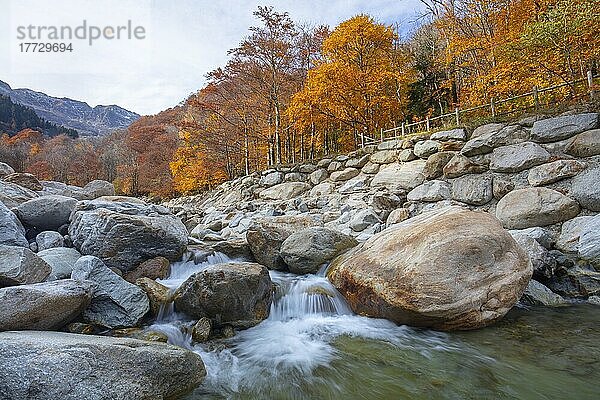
[15,117]
[292,91]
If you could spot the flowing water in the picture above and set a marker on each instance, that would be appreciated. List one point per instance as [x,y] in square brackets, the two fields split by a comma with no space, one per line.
[313,347]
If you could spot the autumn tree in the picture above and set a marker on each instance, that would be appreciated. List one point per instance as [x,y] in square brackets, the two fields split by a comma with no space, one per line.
[361,84]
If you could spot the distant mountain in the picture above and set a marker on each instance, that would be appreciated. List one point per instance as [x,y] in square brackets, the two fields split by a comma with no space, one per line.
[70,113]
[16,117]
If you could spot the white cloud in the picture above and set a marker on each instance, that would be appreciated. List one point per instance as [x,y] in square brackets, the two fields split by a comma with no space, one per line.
[185,40]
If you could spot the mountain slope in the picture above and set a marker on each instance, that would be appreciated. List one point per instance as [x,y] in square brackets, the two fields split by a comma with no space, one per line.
[70,113]
[16,117]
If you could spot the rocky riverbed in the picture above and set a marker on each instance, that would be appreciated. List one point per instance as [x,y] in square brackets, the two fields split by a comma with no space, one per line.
[306,269]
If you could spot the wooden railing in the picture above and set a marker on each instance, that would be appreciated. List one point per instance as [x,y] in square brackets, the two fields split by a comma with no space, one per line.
[491,109]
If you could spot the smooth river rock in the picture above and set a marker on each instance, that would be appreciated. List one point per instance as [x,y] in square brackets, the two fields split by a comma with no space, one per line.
[554,171]
[284,191]
[12,232]
[54,365]
[586,144]
[46,212]
[48,240]
[116,303]
[236,293]
[62,261]
[265,236]
[19,266]
[99,188]
[446,269]
[124,231]
[539,206]
[400,175]
[517,157]
[43,306]
[12,195]
[305,251]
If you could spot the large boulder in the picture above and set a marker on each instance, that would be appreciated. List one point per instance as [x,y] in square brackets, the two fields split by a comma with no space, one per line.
[116,303]
[539,206]
[27,181]
[237,294]
[124,231]
[284,191]
[563,127]
[363,219]
[54,365]
[43,306]
[384,157]
[12,194]
[20,266]
[46,213]
[400,176]
[271,179]
[12,232]
[305,251]
[446,269]
[586,189]
[265,236]
[517,157]
[99,188]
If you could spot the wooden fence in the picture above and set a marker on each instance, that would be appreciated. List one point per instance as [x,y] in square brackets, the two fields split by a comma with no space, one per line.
[492,109]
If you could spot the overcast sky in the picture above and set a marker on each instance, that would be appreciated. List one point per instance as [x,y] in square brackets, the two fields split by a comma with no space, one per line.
[184,39]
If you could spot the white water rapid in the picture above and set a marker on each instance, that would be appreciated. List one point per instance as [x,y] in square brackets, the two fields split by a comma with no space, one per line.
[306,317]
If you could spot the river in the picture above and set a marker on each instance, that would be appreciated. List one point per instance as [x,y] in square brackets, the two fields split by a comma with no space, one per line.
[313,347]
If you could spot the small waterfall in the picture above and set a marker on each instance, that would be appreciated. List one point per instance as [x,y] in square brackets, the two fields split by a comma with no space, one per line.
[301,296]
[306,316]
[176,326]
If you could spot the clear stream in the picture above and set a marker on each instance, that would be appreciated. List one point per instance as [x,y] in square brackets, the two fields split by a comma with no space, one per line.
[313,347]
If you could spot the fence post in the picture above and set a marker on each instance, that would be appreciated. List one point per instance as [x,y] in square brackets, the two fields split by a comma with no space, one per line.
[381,134]
[402,130]
[536,98]
[457,115]
[362,138]
[590,81]
[428,125]
[493,106]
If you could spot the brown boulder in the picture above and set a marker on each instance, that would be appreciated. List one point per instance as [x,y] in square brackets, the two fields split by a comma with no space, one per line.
[155,268]
[236,293]
[448,269]
[27,181]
